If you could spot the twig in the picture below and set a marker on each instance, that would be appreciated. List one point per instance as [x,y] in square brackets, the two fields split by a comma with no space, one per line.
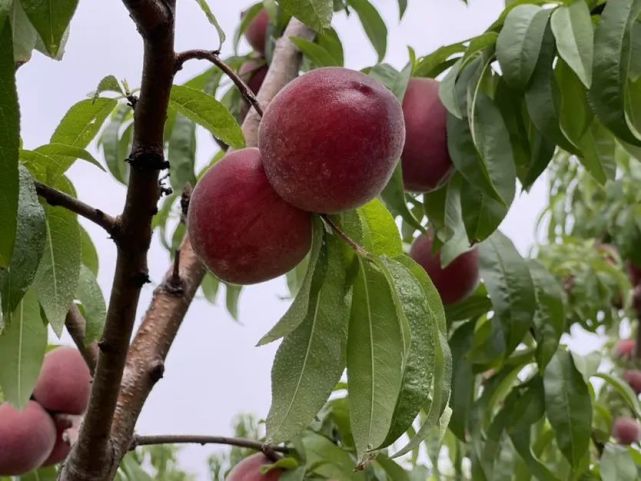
[56,198]
[213,57]
[77,327]
[359,249]
[202,440]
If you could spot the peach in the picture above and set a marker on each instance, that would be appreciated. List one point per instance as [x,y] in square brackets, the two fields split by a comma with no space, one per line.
[626,430]
[249,470]
[256,33]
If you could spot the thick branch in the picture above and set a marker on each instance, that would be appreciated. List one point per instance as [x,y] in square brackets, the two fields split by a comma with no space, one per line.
[213,57]
[56,198]
[95,457]
[202,440]
[165,314]
[76,326]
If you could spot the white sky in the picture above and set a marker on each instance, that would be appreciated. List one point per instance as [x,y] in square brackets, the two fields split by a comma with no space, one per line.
[214,371]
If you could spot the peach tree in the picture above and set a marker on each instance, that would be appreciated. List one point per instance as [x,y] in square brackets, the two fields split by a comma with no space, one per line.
[419,344]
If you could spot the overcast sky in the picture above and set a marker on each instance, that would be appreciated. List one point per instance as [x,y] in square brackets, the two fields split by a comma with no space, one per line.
[214,371]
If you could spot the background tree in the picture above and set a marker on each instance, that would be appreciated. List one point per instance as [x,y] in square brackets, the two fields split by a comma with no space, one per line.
[444,378]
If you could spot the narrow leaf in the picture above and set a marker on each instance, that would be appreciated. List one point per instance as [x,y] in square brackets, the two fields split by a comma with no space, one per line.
[108,84]
[204,6]
[182,153]
[373,25]
[572,28]
[51,19]
[82,122]
[314,52]
[92,304]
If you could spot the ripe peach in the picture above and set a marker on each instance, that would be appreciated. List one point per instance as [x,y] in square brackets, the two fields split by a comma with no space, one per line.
[26,438]
[330,140]
[62,447]
[256,33]
[454,282]
[253,73]
[625,348]
[64,383]
[249,470]
[626,430]
[425,160]
[633,378]
[240,228]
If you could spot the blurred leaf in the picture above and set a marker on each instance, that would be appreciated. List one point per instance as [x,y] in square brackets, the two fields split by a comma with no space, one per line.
[328,460]
[51,19]
[572,27]
[394,80]
[624,390]
[205,110]
[92,304]
[311,359]
[519,43]
[89,253]
[82,122]
[318,55]
[22,347]
[394,197]
[110,141]
[611,67]
[24,35]
[232,294]
[204,6]
[182,153]
[373,25]
[9,145]
[402,6]
[41,474]
[30,241]
[568,407]
[246,19]
[316,14]
[462,379]
[617,465]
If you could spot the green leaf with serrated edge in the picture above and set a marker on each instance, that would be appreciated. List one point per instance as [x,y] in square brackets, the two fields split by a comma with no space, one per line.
[442,376]
[624,390]
[373,24]
[329,460]
[110,142]
[568,407]
[246,19]
[316,14]
[549,317]
[208,112]
[509,284]
[573,31]
[9,145]
[542,96]
[182,153]
[59,269]
[51,20]
[616,464]
[394,197]
[311,359]
[88,252]
[92,304]
[30,240]
[375,356]
[204,6]
[82,122]
[519,43]
[396,81]
[611,67]
[299,308]
[417,372]
[22,347]
[232,294]
[314,52]
[108,84]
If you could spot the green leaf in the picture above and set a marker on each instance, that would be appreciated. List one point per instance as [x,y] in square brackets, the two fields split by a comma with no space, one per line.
[611,67]
[112,144]
[206,111]
[402,6]
[616,464]
[316,14]
[88,251]
[311,359]
[462,379]
[92,304]
[204,6]
[41,474]
[549,317]
[108,84]
[232,294]
[314,52]
[624,390]
[51,19]
[373,25]
[575,115]
[598,149]
[568,407]
[519,43]
[572,28]
[375,356]
[59,269]
[299,308]
[210,286]
[329,460]
[394,80]
[9,145]
[5,9]
[394,197]
[82,122]
[436,62]
[374,228]
[30,240]
[507,278]
[60,158]
[22,347]
[182,153]
[331,42]
[482,214]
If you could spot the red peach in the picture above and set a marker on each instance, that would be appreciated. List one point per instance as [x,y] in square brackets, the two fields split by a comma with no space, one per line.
[256,33]
[633,378]
[249,470]
[62,447]
[253,73]
[625,348]
[626,430]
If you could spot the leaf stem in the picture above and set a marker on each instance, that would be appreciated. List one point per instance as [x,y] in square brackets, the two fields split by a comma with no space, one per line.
[359,249]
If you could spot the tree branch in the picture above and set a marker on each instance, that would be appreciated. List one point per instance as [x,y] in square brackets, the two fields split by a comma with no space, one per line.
[95,456]
[56,198]
[76,326]
[213,57]
[202,440]
[162,320]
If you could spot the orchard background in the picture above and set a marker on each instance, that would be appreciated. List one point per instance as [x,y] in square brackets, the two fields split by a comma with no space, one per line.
[213,371]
